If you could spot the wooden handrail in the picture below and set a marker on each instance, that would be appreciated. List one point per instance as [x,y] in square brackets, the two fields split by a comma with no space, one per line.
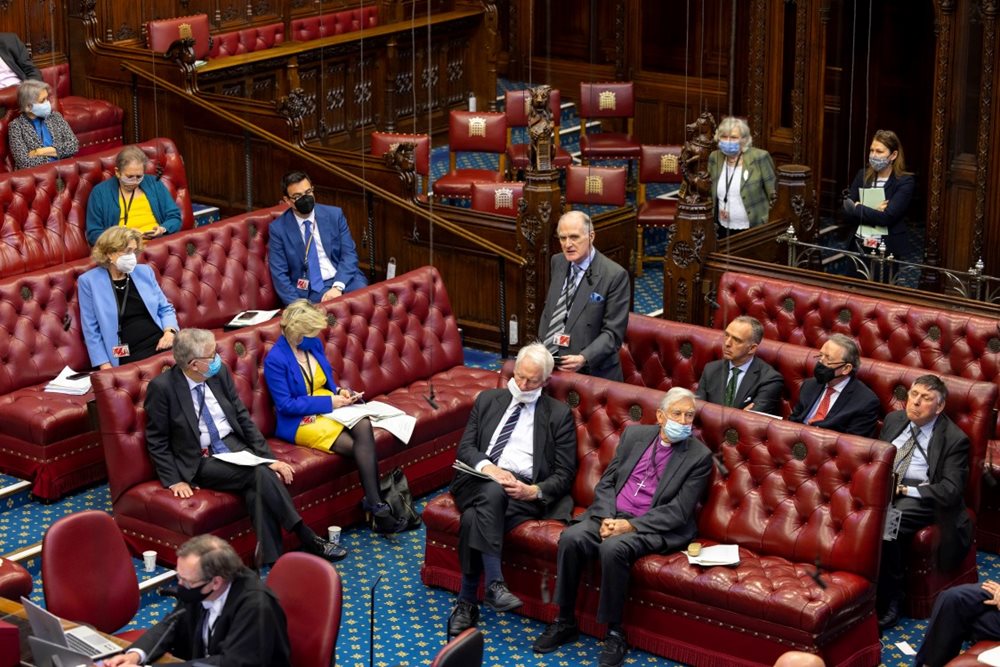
[327,166]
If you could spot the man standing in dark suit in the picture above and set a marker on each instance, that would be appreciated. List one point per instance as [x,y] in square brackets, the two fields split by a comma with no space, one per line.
[310,251]
[932,467]
[15,63]
[833,398]
[194,412]
[740,379]
[525,443]
[224,614]
[644,504]
[586,310]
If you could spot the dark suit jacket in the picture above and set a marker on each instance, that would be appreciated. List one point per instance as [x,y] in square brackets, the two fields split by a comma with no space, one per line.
[554,459]
[172,424]
[947,473]
[286,253]
[15,54]
[251,630]
[680,488]
[856,411]
[761,386]
[598,315]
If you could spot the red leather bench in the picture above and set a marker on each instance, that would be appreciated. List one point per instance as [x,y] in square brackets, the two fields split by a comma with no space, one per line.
[793,494]
[45,207]
[246,41]
[328,25]
[661,354]
[941,341]
[209,274]
[393,340]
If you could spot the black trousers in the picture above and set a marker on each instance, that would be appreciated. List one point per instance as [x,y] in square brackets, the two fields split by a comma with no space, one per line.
[487,514]
[266,497]
[959,614]
[892,572]
[578,545]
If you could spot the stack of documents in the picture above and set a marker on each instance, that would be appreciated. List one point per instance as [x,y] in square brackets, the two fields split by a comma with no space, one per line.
[719,554]
[70,382]
[382,415]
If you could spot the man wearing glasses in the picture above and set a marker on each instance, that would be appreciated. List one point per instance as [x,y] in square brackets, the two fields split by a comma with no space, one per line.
[311,253]
[833,398]
[192,413]
[228,614]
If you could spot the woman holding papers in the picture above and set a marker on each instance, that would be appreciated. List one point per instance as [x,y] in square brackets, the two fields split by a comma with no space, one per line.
[879,198]
[305,392]
[124,314]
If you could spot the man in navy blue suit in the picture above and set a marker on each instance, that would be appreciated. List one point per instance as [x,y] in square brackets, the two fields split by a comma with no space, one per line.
[311,253]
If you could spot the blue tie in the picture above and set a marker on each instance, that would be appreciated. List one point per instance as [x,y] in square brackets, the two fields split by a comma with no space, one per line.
[504,437]
[215,442]
[312,258]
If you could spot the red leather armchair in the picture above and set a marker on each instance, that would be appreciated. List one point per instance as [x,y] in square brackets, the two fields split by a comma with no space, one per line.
[481,132]
[310,594]
[657,164]
[613,99]
[516,103]
[15,581]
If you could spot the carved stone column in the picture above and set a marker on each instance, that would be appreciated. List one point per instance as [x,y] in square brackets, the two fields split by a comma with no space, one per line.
[535,227]
[689,241]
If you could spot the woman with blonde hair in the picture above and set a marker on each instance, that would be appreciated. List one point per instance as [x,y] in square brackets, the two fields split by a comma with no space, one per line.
[305,391]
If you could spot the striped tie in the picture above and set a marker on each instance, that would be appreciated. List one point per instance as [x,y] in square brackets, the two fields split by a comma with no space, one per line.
[904,455]
[558,321]
[504,437]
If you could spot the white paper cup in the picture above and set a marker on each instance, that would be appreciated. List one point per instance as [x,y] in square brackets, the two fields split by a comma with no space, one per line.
[149,560]
[334,534]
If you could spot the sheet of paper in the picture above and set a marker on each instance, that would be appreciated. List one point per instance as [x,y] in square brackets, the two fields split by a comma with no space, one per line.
[244,457]
[718,554]
[382,415]
[905,648]
[991,657]
[251,317]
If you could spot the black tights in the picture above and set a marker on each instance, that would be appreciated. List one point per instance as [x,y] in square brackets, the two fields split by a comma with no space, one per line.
[359,442]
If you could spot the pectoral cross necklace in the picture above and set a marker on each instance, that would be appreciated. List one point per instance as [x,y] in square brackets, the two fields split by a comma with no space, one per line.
[651,470]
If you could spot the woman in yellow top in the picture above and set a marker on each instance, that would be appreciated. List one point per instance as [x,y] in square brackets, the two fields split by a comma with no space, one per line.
[304,391]
[132,199]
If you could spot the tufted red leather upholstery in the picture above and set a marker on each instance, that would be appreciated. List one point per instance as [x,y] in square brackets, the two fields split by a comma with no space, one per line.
[249,40]
[328,25]
[309,591]
[784,511]
[392,340]
[87,573]
[15,581]
[662,354]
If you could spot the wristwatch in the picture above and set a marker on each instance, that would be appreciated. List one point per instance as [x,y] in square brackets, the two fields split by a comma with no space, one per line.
[539,496]
[172,330]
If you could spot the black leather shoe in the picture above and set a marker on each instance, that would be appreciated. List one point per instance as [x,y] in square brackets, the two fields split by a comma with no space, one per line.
[465,615]
[499,597]
[613,653]
[326,549]
[557,634]
[891,616]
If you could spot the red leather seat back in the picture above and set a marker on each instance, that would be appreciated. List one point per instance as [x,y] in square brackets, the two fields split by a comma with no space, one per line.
[465,650]
[497,198]
[601,186]
[164,32]
[662,354]
[660,164]
[87,572]
[482,132]
[247,41]
[309,591]
[338,23]
[613,99]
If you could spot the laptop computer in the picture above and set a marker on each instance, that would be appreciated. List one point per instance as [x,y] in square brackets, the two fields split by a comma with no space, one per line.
[47,654]
[48,626]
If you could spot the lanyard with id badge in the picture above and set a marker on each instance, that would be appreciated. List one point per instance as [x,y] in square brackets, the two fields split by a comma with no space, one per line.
[303,282]
[120,350]
[561,338]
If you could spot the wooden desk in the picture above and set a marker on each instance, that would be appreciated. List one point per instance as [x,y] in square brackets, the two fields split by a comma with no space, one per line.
[13,613]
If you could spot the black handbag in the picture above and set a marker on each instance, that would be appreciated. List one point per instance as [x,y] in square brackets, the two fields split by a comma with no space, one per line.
[395,490]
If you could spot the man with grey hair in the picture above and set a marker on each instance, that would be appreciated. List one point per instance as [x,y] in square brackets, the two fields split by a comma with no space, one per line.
[524,445]
[586,310]
[833,398]
[740,379]
[224,614]
[194,412]
[645,503]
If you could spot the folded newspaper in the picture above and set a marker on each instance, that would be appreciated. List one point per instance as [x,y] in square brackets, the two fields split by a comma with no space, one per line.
[382,415]
[469,470]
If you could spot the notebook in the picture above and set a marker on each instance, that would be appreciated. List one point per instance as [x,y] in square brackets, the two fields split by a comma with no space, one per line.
[47,626]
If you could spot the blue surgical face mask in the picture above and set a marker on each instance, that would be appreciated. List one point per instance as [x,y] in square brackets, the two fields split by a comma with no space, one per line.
[730,148]
[214,367]
[42,109]
[675,432]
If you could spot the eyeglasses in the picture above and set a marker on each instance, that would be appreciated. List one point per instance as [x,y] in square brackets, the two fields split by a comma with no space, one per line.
[829,361]
[299,195]
[191,584]
[208,358]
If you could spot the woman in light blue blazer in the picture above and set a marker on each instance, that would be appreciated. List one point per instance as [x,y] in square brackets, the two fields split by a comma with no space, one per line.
[125,315]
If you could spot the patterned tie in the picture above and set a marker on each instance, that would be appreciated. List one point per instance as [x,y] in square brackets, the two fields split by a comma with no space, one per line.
[904,455]
[216,446]
[504,437]
[315,274]
[558,321]
[731,387]
[824,406]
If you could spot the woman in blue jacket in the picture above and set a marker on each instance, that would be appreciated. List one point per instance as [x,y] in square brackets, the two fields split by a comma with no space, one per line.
[304,390]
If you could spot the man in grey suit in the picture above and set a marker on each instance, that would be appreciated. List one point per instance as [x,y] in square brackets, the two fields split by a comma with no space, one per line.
[586,310]
[740,379]
[644,504]
[525,444]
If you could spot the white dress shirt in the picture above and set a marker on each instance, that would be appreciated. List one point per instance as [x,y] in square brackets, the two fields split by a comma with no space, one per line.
[326,267]
[919,467]
[214,409]
[519,454]
[838,389]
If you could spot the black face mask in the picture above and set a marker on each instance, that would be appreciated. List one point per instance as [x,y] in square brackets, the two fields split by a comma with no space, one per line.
[305,204]
[192,595]
[824,373]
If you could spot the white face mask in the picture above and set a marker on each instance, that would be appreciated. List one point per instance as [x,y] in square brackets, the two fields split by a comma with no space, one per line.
[523,396]
[126,263]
